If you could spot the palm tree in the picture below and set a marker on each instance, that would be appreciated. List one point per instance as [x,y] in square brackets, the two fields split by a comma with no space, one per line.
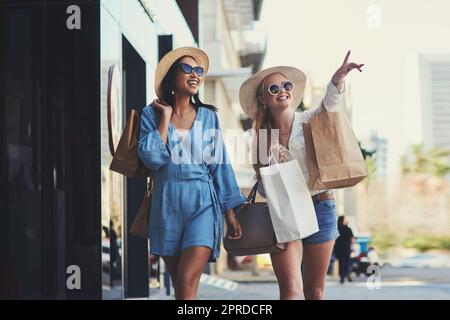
[301,107]
[434,162]
[370,163]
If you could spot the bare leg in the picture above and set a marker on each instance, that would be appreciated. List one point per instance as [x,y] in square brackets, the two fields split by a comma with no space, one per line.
[191,265]
[286,266]
[316,259]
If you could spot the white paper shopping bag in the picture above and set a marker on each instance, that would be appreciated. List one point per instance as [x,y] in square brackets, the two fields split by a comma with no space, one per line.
[290,204]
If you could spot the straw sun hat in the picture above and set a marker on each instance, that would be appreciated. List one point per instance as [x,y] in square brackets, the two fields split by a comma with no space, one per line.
[169,59]
[248,93]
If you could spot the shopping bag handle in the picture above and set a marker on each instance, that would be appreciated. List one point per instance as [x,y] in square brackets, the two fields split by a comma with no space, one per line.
[271,155]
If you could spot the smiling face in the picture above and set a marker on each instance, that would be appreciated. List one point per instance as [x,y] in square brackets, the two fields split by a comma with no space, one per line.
[186,84]
[280,101]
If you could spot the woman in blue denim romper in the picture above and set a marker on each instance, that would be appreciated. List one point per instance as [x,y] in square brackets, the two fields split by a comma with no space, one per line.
[194,183]
[271,97]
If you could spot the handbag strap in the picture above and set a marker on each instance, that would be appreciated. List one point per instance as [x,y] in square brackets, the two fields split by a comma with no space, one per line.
[252,195]
[149,189]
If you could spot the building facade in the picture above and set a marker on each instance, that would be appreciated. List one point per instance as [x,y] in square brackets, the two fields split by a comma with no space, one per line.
[435,99]
[63,66]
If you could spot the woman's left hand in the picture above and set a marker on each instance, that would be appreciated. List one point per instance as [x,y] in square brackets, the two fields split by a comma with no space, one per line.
[233,226]
[343,70]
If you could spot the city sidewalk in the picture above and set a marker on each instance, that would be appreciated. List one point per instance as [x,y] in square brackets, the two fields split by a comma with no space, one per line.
[265,275]
[228,285]
[396,284]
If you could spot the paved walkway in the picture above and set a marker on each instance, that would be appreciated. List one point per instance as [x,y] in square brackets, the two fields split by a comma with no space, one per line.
[395,284]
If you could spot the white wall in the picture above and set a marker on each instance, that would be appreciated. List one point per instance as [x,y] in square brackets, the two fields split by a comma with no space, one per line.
[170,20]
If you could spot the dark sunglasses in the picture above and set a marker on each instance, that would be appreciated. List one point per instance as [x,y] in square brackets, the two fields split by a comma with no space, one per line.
[189,69]
[275,89]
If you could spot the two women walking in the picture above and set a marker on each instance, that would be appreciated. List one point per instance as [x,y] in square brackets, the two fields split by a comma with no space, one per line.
[194,183]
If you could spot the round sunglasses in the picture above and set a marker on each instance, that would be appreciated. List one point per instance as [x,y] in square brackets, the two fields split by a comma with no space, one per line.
[189,69]
[275,88]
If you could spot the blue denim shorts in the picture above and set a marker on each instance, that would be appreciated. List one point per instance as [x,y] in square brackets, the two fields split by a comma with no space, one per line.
[327,220]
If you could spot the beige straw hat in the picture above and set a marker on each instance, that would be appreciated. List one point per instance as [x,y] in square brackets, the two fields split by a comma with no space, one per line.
[249,89]
[168,60]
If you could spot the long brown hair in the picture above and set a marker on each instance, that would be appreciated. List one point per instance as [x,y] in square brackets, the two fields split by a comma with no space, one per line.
[263,120]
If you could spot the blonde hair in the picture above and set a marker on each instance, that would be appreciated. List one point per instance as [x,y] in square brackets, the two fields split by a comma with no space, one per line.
[263,120]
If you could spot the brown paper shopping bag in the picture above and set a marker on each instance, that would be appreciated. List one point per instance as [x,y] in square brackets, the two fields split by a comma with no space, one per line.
[314,182]
[333,155]
[126,160]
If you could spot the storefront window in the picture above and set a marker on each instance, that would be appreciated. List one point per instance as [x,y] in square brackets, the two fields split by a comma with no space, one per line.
[21,151]
[112,190]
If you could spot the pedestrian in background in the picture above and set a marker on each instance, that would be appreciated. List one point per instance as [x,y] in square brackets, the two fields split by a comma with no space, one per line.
[343,248]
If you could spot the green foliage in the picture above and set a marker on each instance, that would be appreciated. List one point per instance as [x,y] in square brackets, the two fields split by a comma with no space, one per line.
[301,107]
[435,162]
[384,240]
[366,153]
[424,243]
[370,163]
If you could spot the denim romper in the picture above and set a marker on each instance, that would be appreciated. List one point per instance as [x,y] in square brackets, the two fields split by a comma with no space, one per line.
[193,185]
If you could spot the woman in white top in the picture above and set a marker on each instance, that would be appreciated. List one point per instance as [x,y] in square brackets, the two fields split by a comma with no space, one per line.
[270,97]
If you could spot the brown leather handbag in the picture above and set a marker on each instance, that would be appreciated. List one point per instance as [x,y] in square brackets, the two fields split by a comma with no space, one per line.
[140,226]
[258,235]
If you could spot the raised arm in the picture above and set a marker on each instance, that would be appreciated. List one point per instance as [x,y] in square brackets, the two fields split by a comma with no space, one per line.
[335,89]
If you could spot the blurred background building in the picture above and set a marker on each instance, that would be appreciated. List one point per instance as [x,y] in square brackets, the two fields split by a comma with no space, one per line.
[236,47]
[435,84]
